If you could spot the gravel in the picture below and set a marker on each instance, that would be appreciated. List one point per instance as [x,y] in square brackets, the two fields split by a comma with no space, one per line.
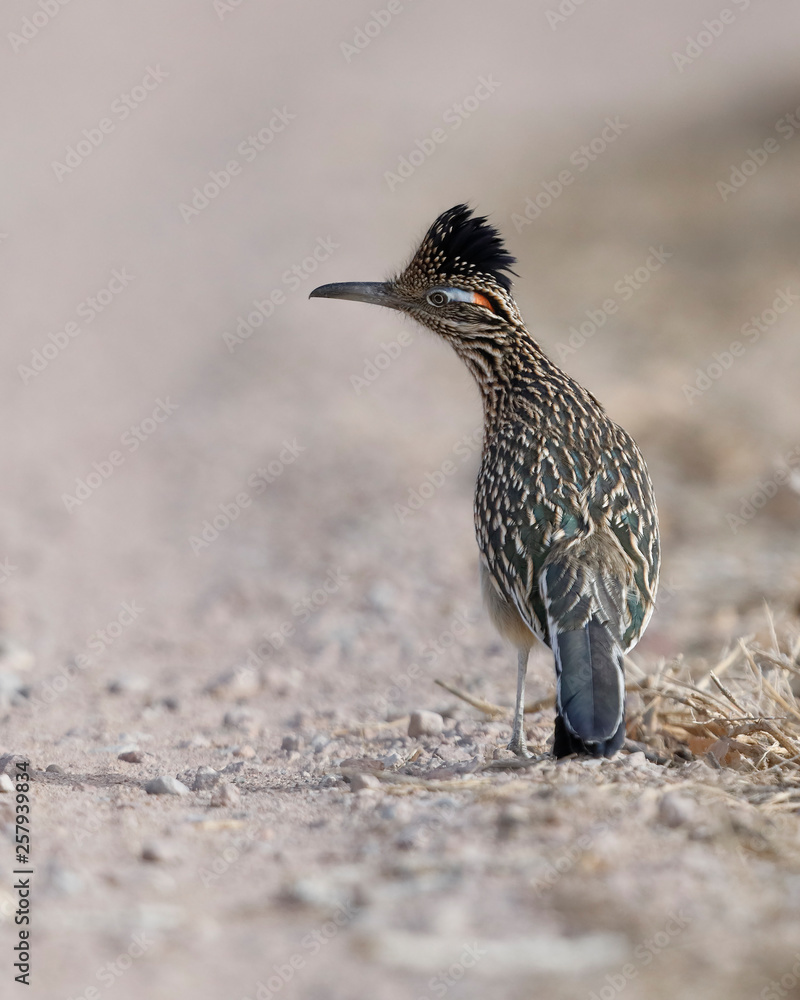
[165,785]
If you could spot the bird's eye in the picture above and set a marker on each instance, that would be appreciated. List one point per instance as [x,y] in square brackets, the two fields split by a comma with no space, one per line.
[438,298]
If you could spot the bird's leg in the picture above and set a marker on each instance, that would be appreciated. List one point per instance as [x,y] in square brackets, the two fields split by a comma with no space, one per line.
[518,743]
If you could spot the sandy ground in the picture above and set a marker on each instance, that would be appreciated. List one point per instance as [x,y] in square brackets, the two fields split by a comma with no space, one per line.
[204,554]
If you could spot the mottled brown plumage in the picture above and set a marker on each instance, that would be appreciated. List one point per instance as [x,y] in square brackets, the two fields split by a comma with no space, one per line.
[564,509]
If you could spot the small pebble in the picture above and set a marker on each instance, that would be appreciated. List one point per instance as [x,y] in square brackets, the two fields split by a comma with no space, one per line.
[9,762]
[14,657]
[423,723]
[61,880]
[396,811]
[235,767]
[361,781]
[282,681]
[54,769]
[157,850]
[11,688]
[238,684]
[6,784]
[513,815]
[676,810]
[131,756]
[291,742]
[198,740]
[382,596]
[128,684]
[225,795]
[205,778]
[165,784]
[242,719]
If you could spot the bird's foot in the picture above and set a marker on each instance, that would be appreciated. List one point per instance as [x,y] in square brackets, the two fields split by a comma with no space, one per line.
[520,748]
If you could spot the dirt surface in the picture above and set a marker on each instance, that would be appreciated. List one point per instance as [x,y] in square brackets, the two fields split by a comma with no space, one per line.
[242,540]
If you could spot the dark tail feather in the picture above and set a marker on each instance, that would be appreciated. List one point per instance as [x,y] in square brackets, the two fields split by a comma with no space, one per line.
[591,692]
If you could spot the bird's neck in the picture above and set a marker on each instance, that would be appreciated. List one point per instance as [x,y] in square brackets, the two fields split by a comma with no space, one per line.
[508,370]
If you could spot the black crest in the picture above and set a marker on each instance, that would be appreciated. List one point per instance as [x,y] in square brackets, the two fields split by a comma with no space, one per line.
[460,243]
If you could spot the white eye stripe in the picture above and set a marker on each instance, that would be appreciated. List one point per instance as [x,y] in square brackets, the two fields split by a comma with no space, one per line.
[458,295]
[441,296]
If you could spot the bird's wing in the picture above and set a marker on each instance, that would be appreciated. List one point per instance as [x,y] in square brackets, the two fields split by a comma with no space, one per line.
[530,498]
[590,522]
[624,509]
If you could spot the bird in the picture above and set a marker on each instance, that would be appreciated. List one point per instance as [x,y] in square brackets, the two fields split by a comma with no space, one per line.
[565,512]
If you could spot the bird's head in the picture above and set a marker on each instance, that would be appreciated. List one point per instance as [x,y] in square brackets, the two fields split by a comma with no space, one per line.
[457,284]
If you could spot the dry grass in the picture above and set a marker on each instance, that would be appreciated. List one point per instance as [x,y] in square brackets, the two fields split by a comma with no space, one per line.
[742,714]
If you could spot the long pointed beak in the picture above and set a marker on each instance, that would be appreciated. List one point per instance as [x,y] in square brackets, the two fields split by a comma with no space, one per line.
[379,293]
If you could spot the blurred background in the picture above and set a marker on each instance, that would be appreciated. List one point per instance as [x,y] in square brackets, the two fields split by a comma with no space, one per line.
[201,468]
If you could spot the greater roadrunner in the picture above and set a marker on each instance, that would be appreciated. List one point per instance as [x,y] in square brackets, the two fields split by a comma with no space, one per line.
[564,508]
